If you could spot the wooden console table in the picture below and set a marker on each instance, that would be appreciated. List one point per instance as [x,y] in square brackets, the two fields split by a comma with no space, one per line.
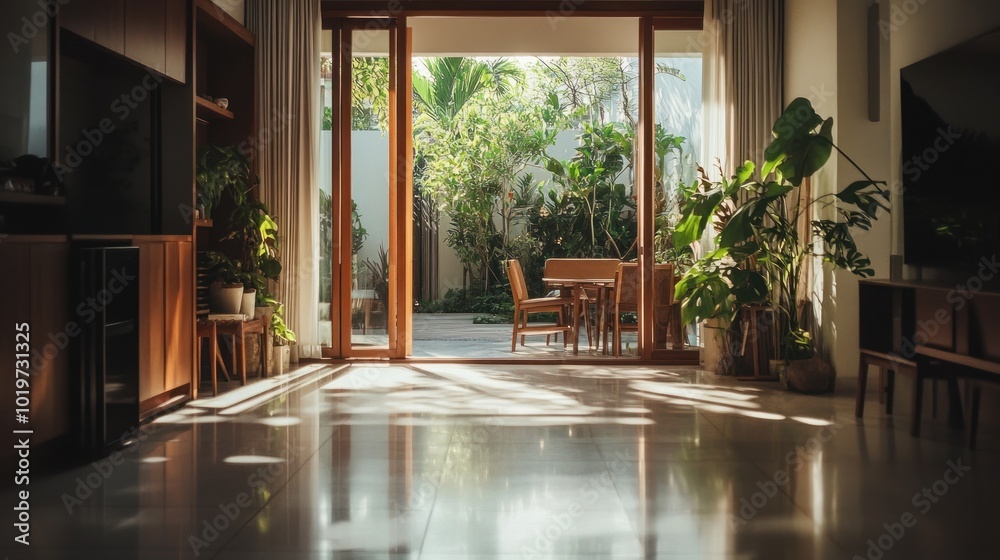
[934,330]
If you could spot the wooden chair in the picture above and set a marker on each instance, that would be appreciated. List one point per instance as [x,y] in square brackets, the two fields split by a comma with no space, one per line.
[627,298]
[664,308]
[626,301]
[921,370]
[524,306]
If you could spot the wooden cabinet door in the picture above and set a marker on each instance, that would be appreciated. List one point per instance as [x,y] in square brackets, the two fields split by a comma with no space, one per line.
[16,283]
[145,33]
[53,331]
[179,316]
[100,21]
[176,40]
[109,24]
[152,311]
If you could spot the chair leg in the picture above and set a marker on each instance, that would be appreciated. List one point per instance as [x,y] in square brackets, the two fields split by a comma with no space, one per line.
[513,337]
[213,357]
[974,416]
[955,416]
[918,395]
[890,390]
[881,386]
[859,397]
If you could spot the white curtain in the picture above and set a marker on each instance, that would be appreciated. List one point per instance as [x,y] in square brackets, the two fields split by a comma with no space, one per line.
[288,64]
[743,79]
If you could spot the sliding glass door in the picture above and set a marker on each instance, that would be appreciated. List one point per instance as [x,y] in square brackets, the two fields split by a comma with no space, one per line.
[369,197]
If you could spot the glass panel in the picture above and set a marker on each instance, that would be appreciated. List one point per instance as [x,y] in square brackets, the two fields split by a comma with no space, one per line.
[24,63]
[678,114]
[326,209]
[370,189]
[537,162]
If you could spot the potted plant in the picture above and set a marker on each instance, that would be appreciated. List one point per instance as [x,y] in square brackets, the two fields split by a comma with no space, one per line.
[378,277]
[765,231]
[226,289]
[218,170]
[284,338]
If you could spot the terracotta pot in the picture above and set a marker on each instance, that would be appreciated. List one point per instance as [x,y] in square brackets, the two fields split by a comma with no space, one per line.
[226,298]
[814,375]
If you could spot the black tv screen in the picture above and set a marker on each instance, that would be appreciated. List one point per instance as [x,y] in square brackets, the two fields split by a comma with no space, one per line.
[950,146]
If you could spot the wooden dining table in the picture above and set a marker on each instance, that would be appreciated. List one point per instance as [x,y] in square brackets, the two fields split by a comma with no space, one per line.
[603,286]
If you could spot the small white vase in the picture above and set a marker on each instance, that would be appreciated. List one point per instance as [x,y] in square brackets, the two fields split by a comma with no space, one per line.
[249,299]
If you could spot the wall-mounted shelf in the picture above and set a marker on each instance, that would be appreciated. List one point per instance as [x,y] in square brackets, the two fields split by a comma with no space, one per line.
[29,198]
[209,111]
[222,26]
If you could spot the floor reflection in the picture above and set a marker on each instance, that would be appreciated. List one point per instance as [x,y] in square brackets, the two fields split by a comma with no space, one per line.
[449,461]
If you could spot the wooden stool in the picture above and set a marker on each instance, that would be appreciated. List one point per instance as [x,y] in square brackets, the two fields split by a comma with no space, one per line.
[923,370]
[206,330]
[238,329]
[886,363]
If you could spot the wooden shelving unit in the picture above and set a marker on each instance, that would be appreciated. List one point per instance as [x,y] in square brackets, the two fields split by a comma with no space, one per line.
[203,223]
[29,198]
[209,111]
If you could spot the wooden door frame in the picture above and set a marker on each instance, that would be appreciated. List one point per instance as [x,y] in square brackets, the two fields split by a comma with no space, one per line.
[652,16]
[398,314]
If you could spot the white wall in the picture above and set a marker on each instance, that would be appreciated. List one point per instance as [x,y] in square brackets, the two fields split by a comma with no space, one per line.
[235,8]
[826,60]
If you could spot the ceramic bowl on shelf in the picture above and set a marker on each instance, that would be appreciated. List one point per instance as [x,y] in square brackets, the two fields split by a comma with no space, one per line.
[222,102]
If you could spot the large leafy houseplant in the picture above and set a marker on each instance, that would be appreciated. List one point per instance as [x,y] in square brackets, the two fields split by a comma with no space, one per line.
[766,232]
[250,227]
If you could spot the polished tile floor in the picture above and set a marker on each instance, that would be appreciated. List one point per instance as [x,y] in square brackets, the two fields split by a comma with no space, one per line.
[567,462]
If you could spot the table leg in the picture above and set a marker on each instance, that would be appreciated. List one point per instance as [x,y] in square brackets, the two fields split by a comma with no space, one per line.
[576,319]
[601,335]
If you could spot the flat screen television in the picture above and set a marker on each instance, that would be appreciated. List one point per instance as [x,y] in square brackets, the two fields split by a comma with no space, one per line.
[950,146]
[107,132]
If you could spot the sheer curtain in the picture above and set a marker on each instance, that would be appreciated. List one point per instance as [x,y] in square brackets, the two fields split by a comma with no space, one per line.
[288,62]
[743,77]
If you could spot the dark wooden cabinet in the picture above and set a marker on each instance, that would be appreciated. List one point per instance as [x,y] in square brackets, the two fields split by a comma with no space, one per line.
[176,39]
[153,33]
[35,280]
[100,21]
[145,33]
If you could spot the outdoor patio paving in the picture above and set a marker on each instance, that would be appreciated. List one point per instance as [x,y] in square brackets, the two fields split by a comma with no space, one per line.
[453,335]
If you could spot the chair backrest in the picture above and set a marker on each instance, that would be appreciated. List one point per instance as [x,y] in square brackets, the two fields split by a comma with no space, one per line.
[627,287]
[581,268]
[663,285]
[518,287]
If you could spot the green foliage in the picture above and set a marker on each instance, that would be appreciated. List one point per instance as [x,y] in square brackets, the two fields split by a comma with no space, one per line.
[760,253]
[495,302]
[378,275]
[369,93]
[448,84]
[219,170]
[470,168]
